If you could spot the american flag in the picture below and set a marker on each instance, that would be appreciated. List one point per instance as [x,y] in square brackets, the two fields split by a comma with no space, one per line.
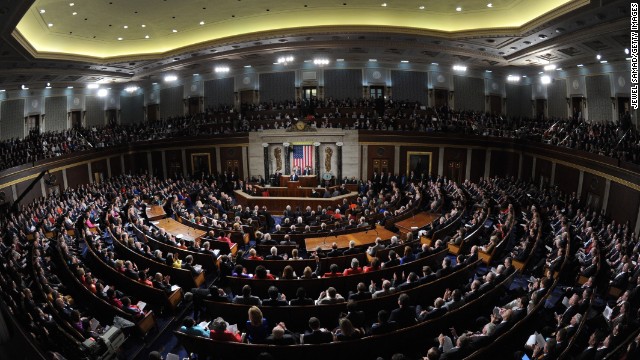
[303,156]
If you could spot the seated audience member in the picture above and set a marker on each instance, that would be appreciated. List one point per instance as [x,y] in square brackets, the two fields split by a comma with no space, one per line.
[275,298]
[281,336]
[317,334]
[405,314]
[257,326]
[354,269]
[377,246]
[330,296]
[190,327]
[262,273]
[346,331]
[219,331]
[387,289]
[246,298]
[361,293]
[301,298]
[383,325]
[333,271]
[274,254]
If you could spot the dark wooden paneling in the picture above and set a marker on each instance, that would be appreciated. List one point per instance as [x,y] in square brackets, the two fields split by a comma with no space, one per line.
[594,185]
[453,157]
[77,175]
[228,153]
[504,163]
[543,168]
[116,166]
[527,164]
[32,194]
[136,163]
[100,166]
[156,162]
[59,184]
[8,194]
[435,156]
[174,163]
[478,157]
[623,204]
[567,178]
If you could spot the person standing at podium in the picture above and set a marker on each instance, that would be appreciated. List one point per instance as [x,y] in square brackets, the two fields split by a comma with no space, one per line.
[293,177]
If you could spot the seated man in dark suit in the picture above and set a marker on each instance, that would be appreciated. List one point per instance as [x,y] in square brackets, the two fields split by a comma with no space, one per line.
[334,251]
[301,298]
[383,325]
[275,299]
[274,254]
[317,335]
[307,171]
[361,294]
[405,314]
[281,336]
[438,310]
[246,298]
[293,177]
[352,249]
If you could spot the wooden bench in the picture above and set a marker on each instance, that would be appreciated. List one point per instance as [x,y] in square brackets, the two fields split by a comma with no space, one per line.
[343,284]
[152,296]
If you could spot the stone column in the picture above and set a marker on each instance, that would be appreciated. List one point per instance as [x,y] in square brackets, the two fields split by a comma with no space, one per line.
[287,158]
[316,162]
[265,149]
[339,158]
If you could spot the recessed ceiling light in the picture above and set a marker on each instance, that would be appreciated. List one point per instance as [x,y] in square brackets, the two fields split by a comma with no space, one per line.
[143,25]
[74,13]
[339,60]
[421,7]
[120,39]
[174,30]
[103,92]
[545,79]
[201,22]
[169,78]
[247,66]
[126,26]
[50,24]
[196,74]
[524,76]
[598,56]
[459,8]
[383,4]
[373,60]
[24,87]
[69,87]
[559,69]
[489,5]
[42,11]
[488,71]
[549,67]
[146,36]
[71,4]
[459,68]
[626,51]
[2,90]
[436,64]
[93,86]
[603,61]
[404,61]
[580,65]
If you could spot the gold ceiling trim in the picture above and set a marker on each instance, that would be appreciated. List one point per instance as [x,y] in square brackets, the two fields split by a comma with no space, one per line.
[305,31]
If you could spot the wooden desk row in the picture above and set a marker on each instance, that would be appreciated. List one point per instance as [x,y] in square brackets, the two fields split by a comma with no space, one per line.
[277,204]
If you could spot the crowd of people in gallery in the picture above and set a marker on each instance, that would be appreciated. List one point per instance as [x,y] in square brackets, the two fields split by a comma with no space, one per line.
[564,249]
[619,140]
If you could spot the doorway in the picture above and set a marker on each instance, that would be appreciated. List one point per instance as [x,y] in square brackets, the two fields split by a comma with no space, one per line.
[576,106]
[376,92]
[495,104]
[455,171]
[152,112]
[540,105]
[309,92]
[112,116]
[32,125]
[194,106]
[76,119]
[441,98]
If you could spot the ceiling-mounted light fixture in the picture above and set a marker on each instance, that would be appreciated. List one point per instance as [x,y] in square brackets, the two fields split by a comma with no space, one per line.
[459,68]
[549,67]
[221,69]
[545,79]
[170,78]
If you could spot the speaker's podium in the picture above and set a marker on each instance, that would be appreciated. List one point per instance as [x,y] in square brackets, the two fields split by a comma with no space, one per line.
[303,181]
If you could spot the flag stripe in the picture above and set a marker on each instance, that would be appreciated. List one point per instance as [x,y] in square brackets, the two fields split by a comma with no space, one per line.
[303,156]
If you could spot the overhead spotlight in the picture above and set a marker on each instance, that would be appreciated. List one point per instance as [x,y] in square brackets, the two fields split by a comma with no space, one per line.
[459,8]
[434,63]
[174,30]
[201,22]
[169,78]
[50,24]
[48,84]
[24,87]
[71,4]
[513,78]
[143,25]
[626,51]
[580,65]
[545,79]
[598,56]
[559,69]
[321,61]
[488,71]
[93,86]
[404,61]
[247,66]
[549,67]
[421,7]
[459,68]
[373,60]
[42,11]
[339,60]
[285,59]
[603,61]
[489,5]
[146,36]
[383,4]
[120,39]
[69,87]
[131,89]
[221,69]
[103,92]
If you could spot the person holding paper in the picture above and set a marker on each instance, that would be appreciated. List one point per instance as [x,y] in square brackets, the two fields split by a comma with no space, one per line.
[219,331]
[190,327]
